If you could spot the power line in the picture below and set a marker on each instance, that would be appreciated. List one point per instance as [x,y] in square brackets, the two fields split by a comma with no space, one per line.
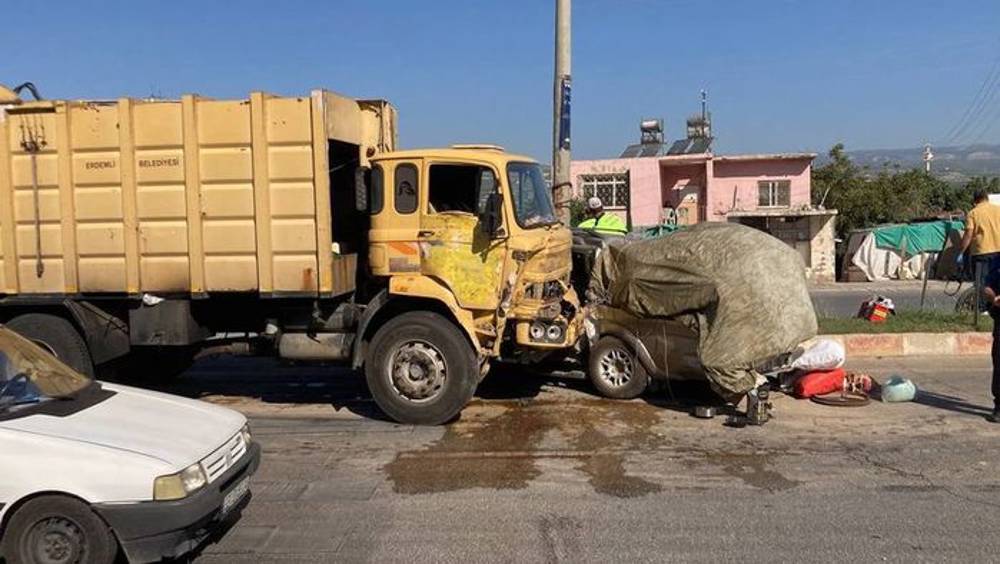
[987,121]
[985,105]
[975,106]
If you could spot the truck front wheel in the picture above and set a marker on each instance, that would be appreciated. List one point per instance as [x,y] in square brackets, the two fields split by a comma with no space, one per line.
[57,336]
[421,369]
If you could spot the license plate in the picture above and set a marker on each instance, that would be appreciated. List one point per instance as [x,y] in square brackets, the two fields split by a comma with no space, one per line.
[235,495]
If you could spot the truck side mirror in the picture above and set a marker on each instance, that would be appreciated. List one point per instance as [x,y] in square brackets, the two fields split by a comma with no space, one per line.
[491,220]
[361,188]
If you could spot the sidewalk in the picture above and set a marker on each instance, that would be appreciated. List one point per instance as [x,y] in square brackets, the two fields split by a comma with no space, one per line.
[914,344]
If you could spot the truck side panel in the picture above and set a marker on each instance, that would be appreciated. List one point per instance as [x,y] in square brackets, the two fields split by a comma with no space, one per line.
[35,175]
[161,199]
[192,196]
[291,195]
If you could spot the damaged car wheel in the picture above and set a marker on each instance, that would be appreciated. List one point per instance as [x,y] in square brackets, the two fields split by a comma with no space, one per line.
[616,371]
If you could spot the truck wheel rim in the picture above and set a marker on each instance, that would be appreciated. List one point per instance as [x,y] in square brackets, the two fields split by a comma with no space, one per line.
[418,371]
[616,368]
[56,541]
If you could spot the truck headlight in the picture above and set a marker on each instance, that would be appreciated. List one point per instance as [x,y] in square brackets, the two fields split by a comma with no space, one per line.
[537,331]
[554,333]
[179,485]
[245,433]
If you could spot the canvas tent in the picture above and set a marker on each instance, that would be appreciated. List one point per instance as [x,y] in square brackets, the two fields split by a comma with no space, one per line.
[900,252]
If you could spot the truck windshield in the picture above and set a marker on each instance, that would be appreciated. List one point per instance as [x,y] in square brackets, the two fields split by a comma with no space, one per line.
[532,200]
[29,375]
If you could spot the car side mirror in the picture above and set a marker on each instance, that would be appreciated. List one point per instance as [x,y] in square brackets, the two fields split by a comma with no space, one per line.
[491,220]
[361,188]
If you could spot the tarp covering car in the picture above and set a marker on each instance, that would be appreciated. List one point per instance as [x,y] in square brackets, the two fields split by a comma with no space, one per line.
[743,290]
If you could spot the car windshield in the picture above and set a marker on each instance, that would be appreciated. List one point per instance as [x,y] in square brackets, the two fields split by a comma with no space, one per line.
[532,200]
[29,374]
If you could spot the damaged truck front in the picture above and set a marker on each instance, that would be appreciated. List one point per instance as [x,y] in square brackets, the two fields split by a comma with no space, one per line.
[149,230]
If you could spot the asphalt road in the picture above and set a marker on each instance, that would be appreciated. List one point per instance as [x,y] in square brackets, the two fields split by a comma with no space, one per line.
[843,300]
[540,470]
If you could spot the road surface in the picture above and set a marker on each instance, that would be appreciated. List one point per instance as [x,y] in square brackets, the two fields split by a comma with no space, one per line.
[843,300]
[540,470]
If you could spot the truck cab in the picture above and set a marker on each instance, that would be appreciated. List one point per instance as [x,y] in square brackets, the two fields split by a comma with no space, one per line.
[473,228]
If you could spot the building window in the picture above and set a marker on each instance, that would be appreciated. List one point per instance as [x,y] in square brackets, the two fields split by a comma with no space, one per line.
[774,193]
[612,189]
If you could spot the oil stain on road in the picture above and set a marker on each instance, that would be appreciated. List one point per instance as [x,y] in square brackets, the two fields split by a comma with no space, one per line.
[499,444]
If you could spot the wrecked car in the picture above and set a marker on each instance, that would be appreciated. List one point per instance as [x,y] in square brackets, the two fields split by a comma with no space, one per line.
[716,301]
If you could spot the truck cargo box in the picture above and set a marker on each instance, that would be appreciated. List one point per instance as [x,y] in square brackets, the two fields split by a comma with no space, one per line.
[190,196]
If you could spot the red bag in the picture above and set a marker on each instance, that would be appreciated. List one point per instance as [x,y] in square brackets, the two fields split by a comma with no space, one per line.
[819,383]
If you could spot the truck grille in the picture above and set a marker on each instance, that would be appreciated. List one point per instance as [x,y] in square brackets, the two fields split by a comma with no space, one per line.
[549,290]
[224,457]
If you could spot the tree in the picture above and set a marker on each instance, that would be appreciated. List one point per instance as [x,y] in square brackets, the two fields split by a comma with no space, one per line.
[890,196]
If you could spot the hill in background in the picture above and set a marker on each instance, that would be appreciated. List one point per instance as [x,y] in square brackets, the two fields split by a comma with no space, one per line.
[953,164]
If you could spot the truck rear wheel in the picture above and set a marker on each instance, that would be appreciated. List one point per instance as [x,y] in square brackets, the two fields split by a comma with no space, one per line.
[421,369]
[57,336]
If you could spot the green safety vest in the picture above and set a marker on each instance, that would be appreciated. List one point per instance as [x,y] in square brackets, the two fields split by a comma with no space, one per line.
[607,223]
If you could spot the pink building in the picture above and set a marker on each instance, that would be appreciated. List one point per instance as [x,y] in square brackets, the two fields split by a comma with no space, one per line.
[653,183]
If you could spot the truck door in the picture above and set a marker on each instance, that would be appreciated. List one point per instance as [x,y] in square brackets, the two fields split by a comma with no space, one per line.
[454,246]
[395,208]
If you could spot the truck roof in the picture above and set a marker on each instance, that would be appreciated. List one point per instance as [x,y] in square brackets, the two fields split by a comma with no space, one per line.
[461,152]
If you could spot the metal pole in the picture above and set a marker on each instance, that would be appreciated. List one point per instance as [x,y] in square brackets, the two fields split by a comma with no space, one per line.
[978,290]
[927,274]
[561,111]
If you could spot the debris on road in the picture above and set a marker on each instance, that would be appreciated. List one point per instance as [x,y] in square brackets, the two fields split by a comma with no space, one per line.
[819,382]
[822,354]
[843,399]
[898,389]
[877,309]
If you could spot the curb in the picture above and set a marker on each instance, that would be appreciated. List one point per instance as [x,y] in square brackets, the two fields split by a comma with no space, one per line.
[914,344]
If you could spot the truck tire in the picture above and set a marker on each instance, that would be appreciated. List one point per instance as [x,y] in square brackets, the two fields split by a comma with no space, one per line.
[615,370]
[421,369]
[58,529]
[58,336]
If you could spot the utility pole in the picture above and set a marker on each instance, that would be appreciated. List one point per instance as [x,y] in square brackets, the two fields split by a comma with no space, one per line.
[561,182]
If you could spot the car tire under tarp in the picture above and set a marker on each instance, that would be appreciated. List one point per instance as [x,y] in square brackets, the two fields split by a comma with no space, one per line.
[615,369]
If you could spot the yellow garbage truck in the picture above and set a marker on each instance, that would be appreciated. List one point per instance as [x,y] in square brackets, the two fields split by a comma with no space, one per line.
[152,229]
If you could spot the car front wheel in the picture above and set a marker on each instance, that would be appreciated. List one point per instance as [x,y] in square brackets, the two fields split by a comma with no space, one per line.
[58,530]
[616,371]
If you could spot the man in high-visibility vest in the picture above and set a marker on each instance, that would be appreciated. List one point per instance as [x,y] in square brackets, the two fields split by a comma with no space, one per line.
[601,222]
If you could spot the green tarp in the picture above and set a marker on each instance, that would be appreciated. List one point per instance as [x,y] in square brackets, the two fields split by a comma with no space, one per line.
[915,238]
[743,290]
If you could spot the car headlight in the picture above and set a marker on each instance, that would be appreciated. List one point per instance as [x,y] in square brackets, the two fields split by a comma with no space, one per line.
[245,432]
[179,485]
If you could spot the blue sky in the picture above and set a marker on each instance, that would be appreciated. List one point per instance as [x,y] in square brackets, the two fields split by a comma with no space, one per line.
[782,75]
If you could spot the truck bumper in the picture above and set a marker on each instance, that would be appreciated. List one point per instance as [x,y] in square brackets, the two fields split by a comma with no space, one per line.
[156,530]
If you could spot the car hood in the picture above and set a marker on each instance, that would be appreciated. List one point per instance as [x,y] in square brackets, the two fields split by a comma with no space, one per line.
[175,430]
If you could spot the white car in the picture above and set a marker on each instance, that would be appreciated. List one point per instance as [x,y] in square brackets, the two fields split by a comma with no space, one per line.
[88,469]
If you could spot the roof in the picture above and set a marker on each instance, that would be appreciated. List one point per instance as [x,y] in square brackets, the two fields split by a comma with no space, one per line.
[766,157]
[781,212]
[493,154]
